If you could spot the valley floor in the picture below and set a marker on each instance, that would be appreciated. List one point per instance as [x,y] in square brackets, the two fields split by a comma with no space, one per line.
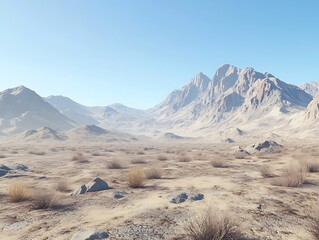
[264,210]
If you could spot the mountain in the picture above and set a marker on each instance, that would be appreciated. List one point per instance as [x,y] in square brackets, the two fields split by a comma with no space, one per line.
[312,88]
[312,111]
[73,110]
[22,109]
[43,133]
[231,97]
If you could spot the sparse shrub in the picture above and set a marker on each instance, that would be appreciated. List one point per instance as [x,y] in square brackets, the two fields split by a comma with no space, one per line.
[240,155]
[39,153]
[96,154]
[136,178]
[79,157]
[2,156]
[138,161]
[162,158]
[184,158]
[313,166]
[18,192]
[294,176]
[315,222]
[62,186]
[213,225]
[115,164]
[218,163]
[140,153]
[153,173]
[45,200]
[267,171]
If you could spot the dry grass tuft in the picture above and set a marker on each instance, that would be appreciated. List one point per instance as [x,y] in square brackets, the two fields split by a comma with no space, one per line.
[136,178]
[45,201]
[267,171]
[39,153]
[184,158]
[219,163]
[138,161]
[62,186]
[153,173]
[313,166]
[315,222]
[79,157]
[213,225]
[18,192]
[294,176]
[240,155]
[162,158]
[115,164]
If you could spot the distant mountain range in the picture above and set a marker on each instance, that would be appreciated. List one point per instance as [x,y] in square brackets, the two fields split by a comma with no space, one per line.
[233,98]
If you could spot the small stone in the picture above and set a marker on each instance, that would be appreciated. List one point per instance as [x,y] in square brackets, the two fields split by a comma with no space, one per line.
[182,197]
[90,234]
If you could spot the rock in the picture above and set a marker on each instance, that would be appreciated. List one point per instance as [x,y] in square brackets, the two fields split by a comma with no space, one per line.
[3,172]
[267,146]
[118,195]
[18,166]
[182,197]
[93,186]
[196,197]
[228,140]
[4,167]
[90,234]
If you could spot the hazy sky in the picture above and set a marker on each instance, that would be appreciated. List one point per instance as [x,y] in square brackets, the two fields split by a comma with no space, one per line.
[136,52]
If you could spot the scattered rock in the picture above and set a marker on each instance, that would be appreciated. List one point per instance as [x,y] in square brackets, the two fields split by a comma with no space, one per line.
[18,166]
[268,146]
[182,197]
[90,234]
[118,195]
[228,140]
[3,172]
[93,186]
[197,197]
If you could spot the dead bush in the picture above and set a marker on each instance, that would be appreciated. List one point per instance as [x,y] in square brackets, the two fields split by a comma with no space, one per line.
[62,186]
[294,176]
[213,225]
[267,171]
[313,166]
[138,161]
[115,164]
[162,158]
[136,178]
[184,158]
[79,158]
[219,163]
[18,192]
[45,200]
[153,173]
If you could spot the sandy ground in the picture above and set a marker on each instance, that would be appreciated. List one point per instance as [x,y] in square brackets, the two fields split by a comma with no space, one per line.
[265,211]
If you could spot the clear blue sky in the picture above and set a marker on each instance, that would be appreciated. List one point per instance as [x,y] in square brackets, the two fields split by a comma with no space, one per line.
[135,52]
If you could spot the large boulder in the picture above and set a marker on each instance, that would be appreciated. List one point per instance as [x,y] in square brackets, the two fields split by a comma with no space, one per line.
[90,234]
[267,146]
[93,186]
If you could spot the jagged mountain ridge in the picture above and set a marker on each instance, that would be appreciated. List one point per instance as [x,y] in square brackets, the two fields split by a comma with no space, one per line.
[233,97]
[312,88]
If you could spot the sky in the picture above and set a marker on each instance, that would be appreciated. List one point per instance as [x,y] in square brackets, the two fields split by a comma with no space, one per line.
[136,52]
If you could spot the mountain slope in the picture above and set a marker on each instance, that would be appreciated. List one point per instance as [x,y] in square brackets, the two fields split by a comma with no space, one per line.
[232,96]
[73,110]
[22,109]
[312,88]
